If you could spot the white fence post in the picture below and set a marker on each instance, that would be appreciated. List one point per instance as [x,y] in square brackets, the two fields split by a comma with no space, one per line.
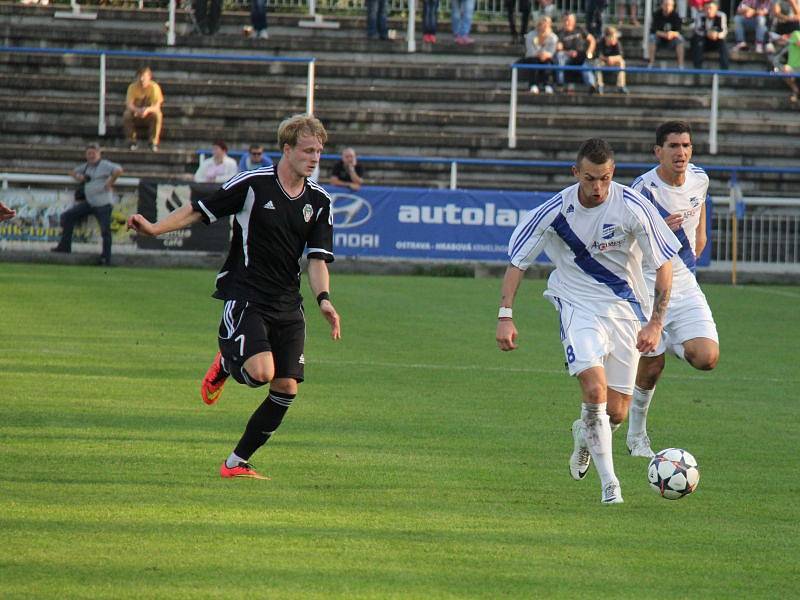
[512,111]
[101,117]
[713,123]
[453,175]
[411,33]
[648,18]
[310,88]
[171,24]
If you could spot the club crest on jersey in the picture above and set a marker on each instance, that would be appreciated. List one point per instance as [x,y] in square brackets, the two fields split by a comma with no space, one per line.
[307,212]
[608,231]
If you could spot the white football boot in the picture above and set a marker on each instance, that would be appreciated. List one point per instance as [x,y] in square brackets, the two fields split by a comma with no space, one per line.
[640,446]
[612,493]
[580,458]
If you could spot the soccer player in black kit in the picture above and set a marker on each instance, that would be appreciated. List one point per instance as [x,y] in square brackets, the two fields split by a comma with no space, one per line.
[277,213]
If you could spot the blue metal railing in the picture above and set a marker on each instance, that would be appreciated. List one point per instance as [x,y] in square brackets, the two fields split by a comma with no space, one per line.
[102,54]
[714,73]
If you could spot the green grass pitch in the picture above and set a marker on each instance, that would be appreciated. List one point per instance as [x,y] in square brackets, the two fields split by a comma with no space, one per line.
[417,462]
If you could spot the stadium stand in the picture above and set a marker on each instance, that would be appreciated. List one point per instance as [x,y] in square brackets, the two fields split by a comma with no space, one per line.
[444,100]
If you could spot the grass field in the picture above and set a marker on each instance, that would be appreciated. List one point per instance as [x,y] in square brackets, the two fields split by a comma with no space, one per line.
[417,462]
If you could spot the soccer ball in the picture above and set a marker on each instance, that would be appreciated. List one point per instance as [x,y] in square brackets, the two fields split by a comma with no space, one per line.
[673,473]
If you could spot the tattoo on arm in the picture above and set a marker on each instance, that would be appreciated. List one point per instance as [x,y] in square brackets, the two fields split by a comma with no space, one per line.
[660,303]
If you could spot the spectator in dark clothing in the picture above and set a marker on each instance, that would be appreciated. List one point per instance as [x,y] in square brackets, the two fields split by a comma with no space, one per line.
[347,172]
[430,20]
[665,32]
[525,16]
[594,16]
[575,48]
[609,54]
[207,14]
[377,25]
[710,29]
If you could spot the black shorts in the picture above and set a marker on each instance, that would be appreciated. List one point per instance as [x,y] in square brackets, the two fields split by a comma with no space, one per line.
[248,329]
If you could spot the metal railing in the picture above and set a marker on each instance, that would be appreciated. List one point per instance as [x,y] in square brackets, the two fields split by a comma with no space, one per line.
[102,54]
[714,104]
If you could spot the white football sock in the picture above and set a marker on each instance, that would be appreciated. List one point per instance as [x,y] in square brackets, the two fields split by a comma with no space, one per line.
[614,426]
[233,460]
[598,440]
[637,415]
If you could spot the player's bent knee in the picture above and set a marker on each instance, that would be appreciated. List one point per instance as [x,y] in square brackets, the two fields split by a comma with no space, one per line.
[703,357]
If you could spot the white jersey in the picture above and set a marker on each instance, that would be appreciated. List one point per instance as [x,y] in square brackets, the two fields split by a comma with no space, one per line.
[596,268]
[688,200]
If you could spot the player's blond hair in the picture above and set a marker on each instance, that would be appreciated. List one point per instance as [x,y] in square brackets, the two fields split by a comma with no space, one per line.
[293,128]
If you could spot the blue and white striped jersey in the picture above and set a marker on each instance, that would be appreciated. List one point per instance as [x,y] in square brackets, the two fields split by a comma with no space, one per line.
[598,267]
[688,200]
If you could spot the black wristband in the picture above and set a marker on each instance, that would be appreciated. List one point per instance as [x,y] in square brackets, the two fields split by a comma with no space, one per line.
[323,296]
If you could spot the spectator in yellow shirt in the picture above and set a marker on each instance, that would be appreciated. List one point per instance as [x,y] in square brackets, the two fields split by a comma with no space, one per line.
[143,109]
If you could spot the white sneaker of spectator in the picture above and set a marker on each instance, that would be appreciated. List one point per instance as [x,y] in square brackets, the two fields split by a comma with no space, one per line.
[534,89]
[759,48]
[770,48]
[548,89]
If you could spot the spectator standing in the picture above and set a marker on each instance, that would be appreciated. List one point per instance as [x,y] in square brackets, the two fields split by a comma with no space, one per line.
[377,26]
[633,10]
[609,54]
[258,19]
[751,15]
[665,32]
[710,29]
[547,8]
[254,159]
[594,16]
[540,49]
[576,46]
[461,20]
[525,16]
[430,18]
[348,172]
[97,176]
[207,14]
[143,109]
[219,168]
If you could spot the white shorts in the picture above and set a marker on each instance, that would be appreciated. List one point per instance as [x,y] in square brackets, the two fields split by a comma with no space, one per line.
[594,341]
[688,317]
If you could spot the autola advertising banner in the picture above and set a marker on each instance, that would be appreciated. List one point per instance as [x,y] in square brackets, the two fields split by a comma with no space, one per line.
[413,223]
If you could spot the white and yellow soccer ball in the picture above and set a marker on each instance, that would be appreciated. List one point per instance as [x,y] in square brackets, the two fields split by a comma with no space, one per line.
[673,473]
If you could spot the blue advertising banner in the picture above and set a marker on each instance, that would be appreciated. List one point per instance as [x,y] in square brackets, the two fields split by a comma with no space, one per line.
[417,223]
[428,223]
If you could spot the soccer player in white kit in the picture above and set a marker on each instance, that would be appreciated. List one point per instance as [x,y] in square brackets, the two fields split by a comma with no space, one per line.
[590,232]
[678,189]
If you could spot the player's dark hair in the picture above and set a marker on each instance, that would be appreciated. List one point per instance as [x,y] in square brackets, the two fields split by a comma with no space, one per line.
[666,129]
[595,150]
[143,70]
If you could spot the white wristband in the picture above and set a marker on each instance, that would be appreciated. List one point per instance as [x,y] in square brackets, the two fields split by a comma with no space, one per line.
[505,313]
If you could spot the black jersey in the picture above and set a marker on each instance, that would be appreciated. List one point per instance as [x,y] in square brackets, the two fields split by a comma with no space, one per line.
[270,231]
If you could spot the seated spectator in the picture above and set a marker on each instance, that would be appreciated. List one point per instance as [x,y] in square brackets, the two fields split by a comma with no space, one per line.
[525,16]
[751,15]
[540,49]
[665,32]
[792,51]
[219,167]
[784,23]
[348,172]
[254,159]
[609,54]
[575,47]
[710,29]
[143,109]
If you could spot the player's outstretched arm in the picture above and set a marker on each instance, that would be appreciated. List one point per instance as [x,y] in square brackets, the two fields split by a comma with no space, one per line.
[650,334]
[178,219]
[6,213]
[319,280]
[506,334]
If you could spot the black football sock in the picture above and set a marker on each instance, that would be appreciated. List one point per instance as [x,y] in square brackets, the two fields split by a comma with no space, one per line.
[263,423]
